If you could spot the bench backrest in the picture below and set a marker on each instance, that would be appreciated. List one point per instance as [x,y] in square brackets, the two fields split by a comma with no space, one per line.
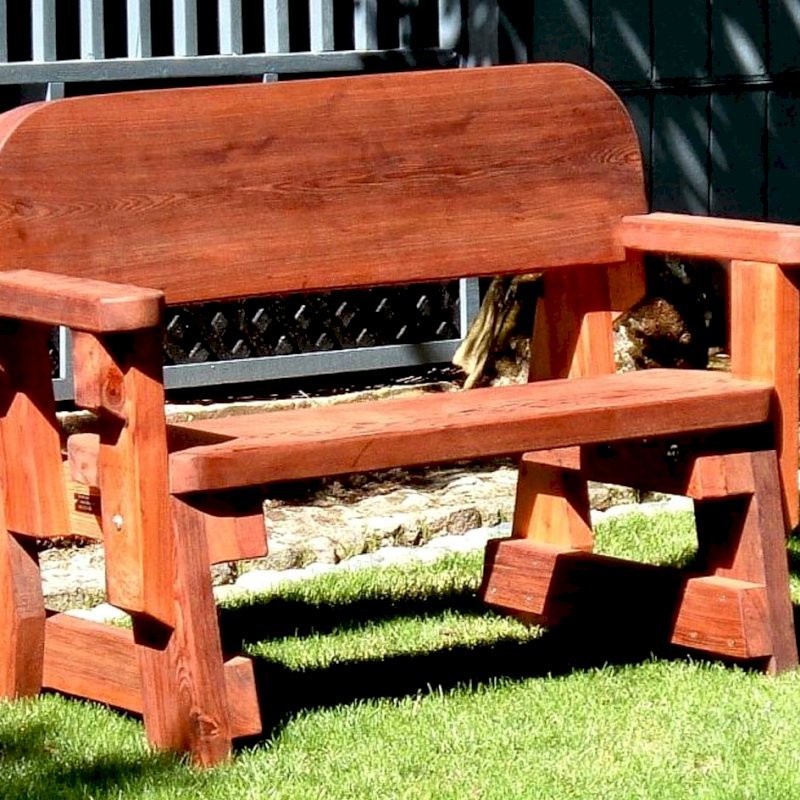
[225,192]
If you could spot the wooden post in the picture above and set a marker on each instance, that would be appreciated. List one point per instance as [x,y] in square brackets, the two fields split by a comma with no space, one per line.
[22,618]
[572,338]
[33,501]
[119,377]
[743,538]
[764,325]
[30,447]
[183,683]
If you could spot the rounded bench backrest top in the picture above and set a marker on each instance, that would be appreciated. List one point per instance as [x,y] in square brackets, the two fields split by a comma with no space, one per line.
[222,192]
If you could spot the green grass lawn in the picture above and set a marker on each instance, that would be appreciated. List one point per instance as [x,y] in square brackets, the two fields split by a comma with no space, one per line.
[397,683]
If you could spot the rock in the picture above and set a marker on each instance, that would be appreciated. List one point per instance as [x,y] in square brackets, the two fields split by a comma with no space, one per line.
[223,573]
[463,519]
[606,495]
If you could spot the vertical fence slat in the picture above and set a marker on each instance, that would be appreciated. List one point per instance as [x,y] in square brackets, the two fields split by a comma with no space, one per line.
[680,39]
[783,161]
[680,153]
[738,37]
[320,17]
[449,23]
[184,21]
[483,29]
[365,24]
[621,31]
[230,27]
[43,29]
[140,36]
[3,31]
[562,31]
[737,163]
[92,37]
[405,27]
[276,26]
[784,35]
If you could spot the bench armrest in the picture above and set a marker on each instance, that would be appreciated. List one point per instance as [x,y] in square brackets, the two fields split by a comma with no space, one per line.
[708,237]
[80,303]
[764,307]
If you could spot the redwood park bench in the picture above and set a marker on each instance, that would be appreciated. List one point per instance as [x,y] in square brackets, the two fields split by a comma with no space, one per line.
[113,206]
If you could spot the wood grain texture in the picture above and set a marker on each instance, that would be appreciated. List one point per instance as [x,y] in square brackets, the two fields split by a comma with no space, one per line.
[183,683]
[30,446]
[707,237]
[552,506]
[302,185]
[573,338]
[480,423]
[547,584]
[744,538]
[233,525]
[233,521]
[726,617]
[655,466]
[122,383]
[98,662]
[764,343]
[80,303]
[22,614]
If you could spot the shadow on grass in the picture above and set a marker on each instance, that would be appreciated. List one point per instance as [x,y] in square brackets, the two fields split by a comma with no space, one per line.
[583,643]
[31,768]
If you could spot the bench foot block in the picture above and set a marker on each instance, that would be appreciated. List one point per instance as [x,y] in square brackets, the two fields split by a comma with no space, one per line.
[98,662]
[546,584]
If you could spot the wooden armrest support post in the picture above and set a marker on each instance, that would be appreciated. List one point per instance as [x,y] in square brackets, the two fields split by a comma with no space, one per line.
[764,307]
[119,377]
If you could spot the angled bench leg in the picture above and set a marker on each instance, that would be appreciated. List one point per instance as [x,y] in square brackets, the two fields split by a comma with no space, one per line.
[552,506]
[33,501]
[744,538]
[157,558]
[22,619]
[735,602]
[572,337]
[183,683]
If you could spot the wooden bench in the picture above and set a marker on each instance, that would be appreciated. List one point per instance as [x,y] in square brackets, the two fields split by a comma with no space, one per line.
[112,206]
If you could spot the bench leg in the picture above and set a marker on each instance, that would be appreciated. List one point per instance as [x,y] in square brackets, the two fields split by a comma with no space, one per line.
[744,538]
[552,506]
[183,684]
[22,618]
[736,603]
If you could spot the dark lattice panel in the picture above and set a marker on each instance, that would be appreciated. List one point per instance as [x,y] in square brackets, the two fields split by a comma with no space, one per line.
[308,323]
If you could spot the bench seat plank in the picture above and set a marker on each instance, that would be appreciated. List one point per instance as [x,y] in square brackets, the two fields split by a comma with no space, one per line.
[304,443]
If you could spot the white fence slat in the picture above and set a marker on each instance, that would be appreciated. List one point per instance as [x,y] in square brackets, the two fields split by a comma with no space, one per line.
[365,24]
[43,29]
[3,31]
[140,39]
[483,26]
[92,37]
[405,29]
[320,15]
[230,27]
[276,26]
[449,22]
[184,21]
